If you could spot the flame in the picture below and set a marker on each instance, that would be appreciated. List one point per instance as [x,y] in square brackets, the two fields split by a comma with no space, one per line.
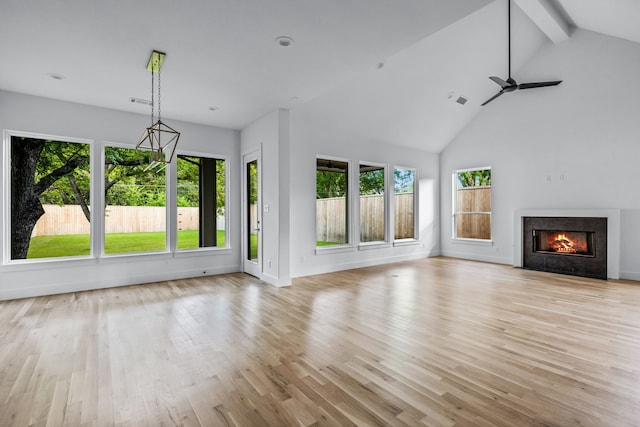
[562,243]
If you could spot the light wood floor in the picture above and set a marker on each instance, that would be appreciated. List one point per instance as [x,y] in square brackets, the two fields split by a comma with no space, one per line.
[438,342]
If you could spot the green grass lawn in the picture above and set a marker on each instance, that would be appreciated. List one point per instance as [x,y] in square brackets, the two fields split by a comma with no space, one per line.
[115,243]
[329,243]
[69,245]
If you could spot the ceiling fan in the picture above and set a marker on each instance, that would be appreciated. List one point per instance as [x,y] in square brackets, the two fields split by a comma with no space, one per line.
[510,84]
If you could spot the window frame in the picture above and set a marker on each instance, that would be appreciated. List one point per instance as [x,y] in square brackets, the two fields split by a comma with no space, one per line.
[7,213]
[227,194]
[169,189]
[416,231]
[455,213]
[385,240]
[350,233]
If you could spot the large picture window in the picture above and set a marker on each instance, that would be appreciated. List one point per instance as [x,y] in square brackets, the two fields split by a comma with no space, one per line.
[50,198]
[404,203]
[135,203]
[372,203]
[332,202]
[201,202]
[472,204]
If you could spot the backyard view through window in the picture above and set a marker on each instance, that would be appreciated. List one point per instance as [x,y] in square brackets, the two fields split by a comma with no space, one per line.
[135,202]
[472,204]
[372,217]
[201,202]
[50,206]
[331,202]
[404,203]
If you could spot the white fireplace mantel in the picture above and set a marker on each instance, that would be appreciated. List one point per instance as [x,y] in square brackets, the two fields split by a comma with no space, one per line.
[613,232]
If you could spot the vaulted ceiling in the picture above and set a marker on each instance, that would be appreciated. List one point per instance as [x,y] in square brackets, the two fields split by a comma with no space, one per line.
[389,71]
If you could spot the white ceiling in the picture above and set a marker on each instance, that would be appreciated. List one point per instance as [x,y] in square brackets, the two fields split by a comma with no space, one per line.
[222,53]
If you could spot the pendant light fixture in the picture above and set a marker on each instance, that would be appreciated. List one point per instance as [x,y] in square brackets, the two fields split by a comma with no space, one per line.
[159,138]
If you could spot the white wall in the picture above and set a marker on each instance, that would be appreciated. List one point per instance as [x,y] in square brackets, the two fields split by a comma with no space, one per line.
[45,116]
[271,134]
[311,136]
[576,145]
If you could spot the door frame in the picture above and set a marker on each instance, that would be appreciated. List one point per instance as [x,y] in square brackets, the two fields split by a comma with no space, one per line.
[248,266]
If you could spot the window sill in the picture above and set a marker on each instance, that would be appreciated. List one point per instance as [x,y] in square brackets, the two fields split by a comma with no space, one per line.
[373,245]
[479,242]
[406,242]
[107,258]
[325,250]
[182,253]
[42,263]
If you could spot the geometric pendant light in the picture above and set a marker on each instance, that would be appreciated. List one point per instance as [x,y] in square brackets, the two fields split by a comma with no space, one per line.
[159,138]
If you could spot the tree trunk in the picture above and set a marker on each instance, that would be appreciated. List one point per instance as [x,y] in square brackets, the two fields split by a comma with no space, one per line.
[26,208]
[80,197]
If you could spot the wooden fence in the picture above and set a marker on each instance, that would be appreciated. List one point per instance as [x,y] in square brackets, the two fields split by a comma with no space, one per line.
[331,224]
[330,219]
[69,219]
[473,225]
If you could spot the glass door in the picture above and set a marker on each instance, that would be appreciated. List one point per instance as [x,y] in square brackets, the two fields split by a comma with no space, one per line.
[252,235]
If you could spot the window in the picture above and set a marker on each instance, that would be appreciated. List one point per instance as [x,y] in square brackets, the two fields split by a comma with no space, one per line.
[50,198]
[201,202]
[135,203]
[332,202]
[472,204]
[372,203]
[404,203]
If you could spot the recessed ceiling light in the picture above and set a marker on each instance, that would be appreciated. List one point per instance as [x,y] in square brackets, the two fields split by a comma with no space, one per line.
[56,76]
[284,41]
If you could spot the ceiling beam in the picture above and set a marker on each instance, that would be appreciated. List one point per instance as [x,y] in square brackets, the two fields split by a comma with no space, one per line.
[546,16]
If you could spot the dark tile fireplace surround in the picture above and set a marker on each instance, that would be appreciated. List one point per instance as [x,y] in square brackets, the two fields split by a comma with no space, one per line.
[566,245]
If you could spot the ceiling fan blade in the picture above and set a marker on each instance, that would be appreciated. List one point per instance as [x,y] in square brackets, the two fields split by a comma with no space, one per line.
[499,81]
[539,84]
[492,98]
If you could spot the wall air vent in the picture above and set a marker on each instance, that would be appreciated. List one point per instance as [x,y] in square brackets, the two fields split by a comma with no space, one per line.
[140,101]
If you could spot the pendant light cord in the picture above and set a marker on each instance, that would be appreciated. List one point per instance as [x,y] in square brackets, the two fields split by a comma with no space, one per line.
[509,31]
[153,103]
[159,114]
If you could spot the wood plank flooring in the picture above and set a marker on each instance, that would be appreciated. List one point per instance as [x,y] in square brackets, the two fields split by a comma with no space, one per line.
[434,342]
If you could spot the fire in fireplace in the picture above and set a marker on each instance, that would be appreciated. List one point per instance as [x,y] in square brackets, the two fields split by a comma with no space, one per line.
[564,242]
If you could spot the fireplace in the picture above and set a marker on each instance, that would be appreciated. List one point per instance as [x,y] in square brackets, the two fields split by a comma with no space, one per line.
[567,245]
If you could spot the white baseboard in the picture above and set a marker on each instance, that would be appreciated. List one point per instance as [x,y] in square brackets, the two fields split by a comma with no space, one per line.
[85,284]
[366,263]
[476,257]
[276,281]
[630,275]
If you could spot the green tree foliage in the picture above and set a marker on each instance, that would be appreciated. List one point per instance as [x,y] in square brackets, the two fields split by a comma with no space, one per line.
[475,178]
[371,180]
[253,182]
[403,181]
[74,189]
[129,181]
[330,184]
[189,182]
